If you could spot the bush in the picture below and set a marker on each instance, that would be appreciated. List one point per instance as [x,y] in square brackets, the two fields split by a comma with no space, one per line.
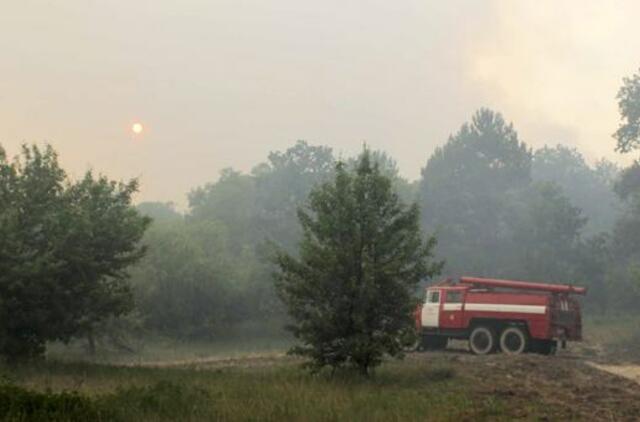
[17,403]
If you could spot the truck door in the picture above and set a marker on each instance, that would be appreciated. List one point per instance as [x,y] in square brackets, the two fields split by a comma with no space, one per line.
[431,309]
[452,309]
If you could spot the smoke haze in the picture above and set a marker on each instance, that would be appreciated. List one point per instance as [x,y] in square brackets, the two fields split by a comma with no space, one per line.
[222,83]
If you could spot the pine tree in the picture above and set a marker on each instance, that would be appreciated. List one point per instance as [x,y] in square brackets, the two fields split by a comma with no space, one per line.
[351,291]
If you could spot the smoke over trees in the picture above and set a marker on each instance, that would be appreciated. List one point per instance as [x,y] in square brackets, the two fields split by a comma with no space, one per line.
[497,207]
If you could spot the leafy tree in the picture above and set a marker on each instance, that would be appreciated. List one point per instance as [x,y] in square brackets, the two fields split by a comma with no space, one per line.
[64,252]
[628,133]
[350,291]
[33,308]
[592,266]
[160,211]
[232,201]
[184,286]
[546,230]
[628,184]
[625,246]
[465,191]
[283,184]
[100,244]
[588,188]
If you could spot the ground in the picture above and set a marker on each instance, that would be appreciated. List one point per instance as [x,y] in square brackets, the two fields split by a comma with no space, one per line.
[589,381]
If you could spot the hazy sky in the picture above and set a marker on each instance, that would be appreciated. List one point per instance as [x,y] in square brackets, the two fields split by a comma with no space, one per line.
[221,83]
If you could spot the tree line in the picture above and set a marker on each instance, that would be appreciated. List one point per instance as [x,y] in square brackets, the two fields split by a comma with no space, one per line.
[76,256]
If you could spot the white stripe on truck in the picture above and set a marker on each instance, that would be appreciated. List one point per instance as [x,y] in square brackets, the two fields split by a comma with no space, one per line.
[452,307]
[496,307]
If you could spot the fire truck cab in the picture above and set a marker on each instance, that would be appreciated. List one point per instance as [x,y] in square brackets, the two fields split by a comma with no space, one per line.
[507,315]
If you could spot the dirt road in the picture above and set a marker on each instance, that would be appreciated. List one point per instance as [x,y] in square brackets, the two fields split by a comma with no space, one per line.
[571,387]
[628,371]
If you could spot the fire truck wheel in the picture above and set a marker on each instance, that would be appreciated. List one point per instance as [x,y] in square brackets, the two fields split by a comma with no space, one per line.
[482,340]
[513,341]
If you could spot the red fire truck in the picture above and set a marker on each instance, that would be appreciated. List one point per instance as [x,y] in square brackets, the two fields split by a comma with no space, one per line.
[507,315]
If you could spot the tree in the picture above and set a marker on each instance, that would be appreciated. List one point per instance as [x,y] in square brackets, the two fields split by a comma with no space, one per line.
[627,186]
[64,252]
[625,246]
[546,230]
[31,204]
[389,167]
[283,184]
[464,191]
[185,283]
[351,291]
[160,211]
[99,245]
[232,201]
[587,187]
[628,133]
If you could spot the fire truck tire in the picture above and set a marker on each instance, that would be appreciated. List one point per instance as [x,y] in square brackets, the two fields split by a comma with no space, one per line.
[482,340]
[513,341]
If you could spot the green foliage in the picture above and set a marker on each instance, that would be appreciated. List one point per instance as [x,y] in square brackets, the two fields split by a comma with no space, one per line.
[165,399]
[587,187]
[64,252]
[283,184]
[624,243]
[593,263]
[350,292]
[628,184]
[160,211]
[464,192]
[19,404]
[628,133]
[389,167]
[545,229]
[182,284]
[231,200]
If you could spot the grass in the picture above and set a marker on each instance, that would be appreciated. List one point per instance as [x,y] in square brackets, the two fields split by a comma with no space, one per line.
[614,335]
[249,379]
[243,339]
[399,391]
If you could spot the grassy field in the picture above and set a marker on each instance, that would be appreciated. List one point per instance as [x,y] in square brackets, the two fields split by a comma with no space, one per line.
[256,381]
[260,390]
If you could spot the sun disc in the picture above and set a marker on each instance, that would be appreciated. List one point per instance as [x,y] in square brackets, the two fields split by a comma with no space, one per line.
[137,128]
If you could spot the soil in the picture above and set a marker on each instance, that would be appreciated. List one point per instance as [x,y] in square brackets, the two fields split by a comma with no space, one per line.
[581,383]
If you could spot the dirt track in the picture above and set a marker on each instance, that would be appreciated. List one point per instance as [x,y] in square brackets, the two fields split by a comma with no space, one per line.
[244,361]
[631,372]
[569,385]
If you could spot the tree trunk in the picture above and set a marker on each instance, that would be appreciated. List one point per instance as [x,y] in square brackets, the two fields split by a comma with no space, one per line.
[91,343]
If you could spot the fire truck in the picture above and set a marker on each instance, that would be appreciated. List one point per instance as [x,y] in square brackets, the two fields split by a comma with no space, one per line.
[500,315]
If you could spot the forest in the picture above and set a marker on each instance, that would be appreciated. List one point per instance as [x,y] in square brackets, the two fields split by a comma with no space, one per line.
[79,261]
[497,207]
